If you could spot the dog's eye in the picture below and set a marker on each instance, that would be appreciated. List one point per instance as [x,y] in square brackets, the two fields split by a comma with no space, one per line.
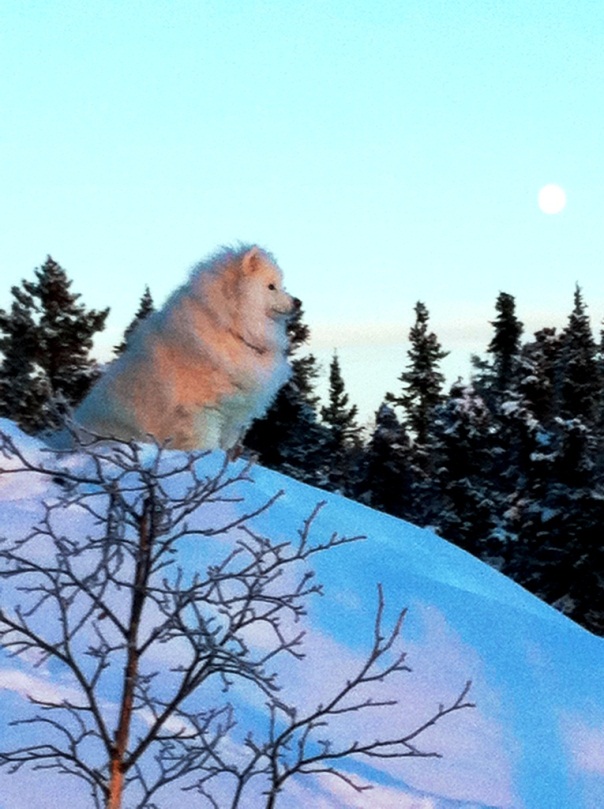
[272,286]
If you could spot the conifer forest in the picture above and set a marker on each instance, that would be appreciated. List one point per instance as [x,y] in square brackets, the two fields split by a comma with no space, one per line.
[508,464]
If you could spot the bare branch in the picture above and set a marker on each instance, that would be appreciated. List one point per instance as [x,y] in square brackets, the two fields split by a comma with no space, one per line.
[96,587]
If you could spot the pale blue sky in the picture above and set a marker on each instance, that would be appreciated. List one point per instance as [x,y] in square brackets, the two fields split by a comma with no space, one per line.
[384,151]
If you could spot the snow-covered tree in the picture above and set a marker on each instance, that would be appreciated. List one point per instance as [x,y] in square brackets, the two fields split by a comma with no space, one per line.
[467,502]
[57,351]
[548,468]
[537,375]
[389,473]
[580,379]
[420,396]
[505,343]
[23,392]
[554,521]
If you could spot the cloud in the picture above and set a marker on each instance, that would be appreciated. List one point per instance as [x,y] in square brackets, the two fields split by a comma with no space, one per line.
[586,747]
[29,686]
[378,795]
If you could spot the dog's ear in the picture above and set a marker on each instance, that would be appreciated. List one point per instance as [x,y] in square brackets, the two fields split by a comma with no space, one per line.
[252,260]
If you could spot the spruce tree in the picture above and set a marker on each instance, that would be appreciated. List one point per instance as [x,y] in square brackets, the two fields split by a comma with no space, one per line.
[65,332]
[525,420]
[389,472]
[505,344]
[23,392]
[548,466]
[538,369]
[145,308]
[554,520]
[340,418]
[581,380]
[467,492]
[494,377]
[344,444]
[421,394]
[599,425]
[57,353]
[422,380]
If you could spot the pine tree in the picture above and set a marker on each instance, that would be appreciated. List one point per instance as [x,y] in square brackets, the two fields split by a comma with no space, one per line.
[494,378]
[555,501]
[581,380]
[468,495]
[344,443]
[65,332]
[537,373]
[554,520]
[57,351]
[505,344]
[599,425]
[145,308]
[337,414]
[421,395]
[522,408]
[22,389]
[389,472]
[422,380]
[525,420]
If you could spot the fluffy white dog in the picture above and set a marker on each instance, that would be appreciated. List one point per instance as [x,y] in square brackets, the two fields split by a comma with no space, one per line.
[200,370]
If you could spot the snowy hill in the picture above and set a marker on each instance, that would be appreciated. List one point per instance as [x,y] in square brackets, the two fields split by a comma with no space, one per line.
[534,740]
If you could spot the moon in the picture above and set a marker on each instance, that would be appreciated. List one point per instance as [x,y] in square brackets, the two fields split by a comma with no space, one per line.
[552,199]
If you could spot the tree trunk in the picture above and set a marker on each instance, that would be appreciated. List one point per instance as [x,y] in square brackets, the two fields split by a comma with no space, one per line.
[116,785]
[118,765]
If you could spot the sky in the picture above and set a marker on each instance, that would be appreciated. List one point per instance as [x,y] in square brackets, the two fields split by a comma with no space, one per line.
[384,152]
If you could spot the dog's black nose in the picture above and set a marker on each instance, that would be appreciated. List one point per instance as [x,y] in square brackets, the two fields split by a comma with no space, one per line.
[297,303]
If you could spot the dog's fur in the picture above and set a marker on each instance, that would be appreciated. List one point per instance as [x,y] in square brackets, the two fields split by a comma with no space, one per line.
[200,370]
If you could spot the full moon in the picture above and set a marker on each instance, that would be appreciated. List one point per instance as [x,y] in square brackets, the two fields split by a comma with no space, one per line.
[552,199]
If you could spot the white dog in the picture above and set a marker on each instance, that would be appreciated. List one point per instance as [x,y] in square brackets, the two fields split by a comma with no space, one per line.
[200,370]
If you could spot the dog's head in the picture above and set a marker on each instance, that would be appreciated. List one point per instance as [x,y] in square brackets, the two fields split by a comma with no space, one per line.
[242,292]
[262,286]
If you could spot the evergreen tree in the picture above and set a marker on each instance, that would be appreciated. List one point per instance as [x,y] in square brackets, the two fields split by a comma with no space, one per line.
[22,389]
[389,473]
[495,378]
[505,344]
[599,426]
[337,414]
[468,497]
[581,381]
[344,443]
[554,498]
[58,353]
[525,421]
[421,395]
[422,380]
[555,521]
[65,331]
[538,368]
[145,308]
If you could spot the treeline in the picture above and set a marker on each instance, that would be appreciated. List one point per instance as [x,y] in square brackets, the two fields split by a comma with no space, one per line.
[508,465]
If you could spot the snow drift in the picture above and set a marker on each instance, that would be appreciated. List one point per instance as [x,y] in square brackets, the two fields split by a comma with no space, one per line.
[535,739]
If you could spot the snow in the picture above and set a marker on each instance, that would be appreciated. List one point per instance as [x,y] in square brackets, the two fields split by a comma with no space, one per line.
[535,739]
